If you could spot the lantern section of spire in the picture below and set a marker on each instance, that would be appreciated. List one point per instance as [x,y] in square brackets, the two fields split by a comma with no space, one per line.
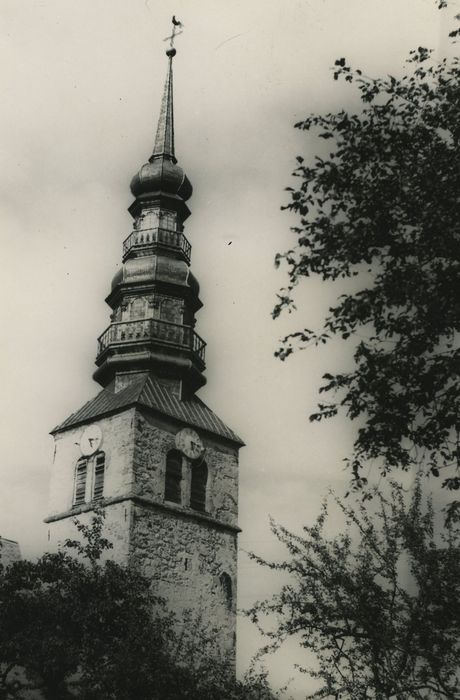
[155,296]
[164,141]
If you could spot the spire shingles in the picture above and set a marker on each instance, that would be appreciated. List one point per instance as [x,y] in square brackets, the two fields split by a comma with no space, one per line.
[164,141]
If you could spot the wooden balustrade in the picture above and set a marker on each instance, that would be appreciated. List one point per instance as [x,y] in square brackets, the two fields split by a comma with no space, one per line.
[152,329]
[157,236]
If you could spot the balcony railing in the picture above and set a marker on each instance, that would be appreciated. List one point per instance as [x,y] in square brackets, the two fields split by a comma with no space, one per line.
[152,329]
[157,236]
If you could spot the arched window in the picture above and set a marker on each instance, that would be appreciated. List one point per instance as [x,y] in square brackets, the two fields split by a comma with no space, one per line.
[171,311]
[173,477]
[226,586]
[99,472]
[80,481]
[138,308]
[198,486]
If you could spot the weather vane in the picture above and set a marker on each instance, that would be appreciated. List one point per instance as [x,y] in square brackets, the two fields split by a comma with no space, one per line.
[177,29]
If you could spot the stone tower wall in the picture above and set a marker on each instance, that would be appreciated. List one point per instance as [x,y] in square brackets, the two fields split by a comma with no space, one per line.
[117,444]
[186,559]
[154,437]
[118,517]
[188,554]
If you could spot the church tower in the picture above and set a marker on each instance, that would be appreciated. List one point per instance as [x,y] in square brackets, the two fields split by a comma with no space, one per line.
[160,462]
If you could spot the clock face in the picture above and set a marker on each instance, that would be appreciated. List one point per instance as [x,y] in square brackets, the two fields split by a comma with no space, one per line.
[189,442]
[90,440]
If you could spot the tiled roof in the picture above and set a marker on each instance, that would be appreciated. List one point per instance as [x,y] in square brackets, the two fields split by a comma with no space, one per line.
[147,392]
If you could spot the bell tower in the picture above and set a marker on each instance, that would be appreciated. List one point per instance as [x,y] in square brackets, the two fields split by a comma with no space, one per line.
[160,462]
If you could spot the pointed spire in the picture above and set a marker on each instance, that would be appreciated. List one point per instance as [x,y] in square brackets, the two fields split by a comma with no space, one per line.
[161,173]
[164,141]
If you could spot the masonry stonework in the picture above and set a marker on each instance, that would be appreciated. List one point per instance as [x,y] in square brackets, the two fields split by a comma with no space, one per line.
[186,553]
[154,438]
[186,560]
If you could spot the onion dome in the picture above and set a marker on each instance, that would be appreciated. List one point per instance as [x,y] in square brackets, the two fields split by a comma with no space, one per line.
[193,284]
[161,173]
[117,278]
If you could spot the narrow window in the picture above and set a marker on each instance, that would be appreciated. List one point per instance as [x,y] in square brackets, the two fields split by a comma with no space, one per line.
[80,481]
[138,309]
[173,478]
[148,219]
[168,220]
[99,471]
[198,487]
[170,310]
[226,585]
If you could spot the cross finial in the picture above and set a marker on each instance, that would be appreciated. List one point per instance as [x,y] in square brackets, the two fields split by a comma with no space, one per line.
[177,29]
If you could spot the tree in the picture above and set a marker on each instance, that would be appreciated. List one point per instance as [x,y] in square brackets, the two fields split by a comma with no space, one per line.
[77,627]
[378,605]
[383,208]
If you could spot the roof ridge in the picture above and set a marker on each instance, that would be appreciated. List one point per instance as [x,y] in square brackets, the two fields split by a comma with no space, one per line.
[202,410]
[129,387]
[153,383]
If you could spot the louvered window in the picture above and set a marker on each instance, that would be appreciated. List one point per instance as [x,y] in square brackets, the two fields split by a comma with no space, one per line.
[173,477]
[80,480]
[99,470]
[198,487]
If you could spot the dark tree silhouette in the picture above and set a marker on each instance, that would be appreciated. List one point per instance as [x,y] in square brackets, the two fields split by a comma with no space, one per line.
[378,605]
[382,207]
[77,626]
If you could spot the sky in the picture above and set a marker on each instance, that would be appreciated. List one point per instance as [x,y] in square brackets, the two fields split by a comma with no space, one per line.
[81,90]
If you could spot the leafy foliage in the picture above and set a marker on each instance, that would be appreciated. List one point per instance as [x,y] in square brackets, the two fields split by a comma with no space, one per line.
[79,627]
[383,208]
[378,605]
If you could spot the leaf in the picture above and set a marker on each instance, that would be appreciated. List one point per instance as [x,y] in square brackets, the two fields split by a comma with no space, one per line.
[380,213]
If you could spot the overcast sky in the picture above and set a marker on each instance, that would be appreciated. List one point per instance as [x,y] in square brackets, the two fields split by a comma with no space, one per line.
[81,89]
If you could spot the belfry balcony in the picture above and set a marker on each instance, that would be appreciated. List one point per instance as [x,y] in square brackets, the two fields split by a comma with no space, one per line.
[154,330]
[142,240]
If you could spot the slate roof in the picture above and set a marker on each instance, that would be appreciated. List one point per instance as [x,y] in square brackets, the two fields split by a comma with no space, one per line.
[147,392]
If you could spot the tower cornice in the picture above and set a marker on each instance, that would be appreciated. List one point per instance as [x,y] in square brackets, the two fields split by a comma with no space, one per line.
[185,514]
[122,289]
[162,199]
